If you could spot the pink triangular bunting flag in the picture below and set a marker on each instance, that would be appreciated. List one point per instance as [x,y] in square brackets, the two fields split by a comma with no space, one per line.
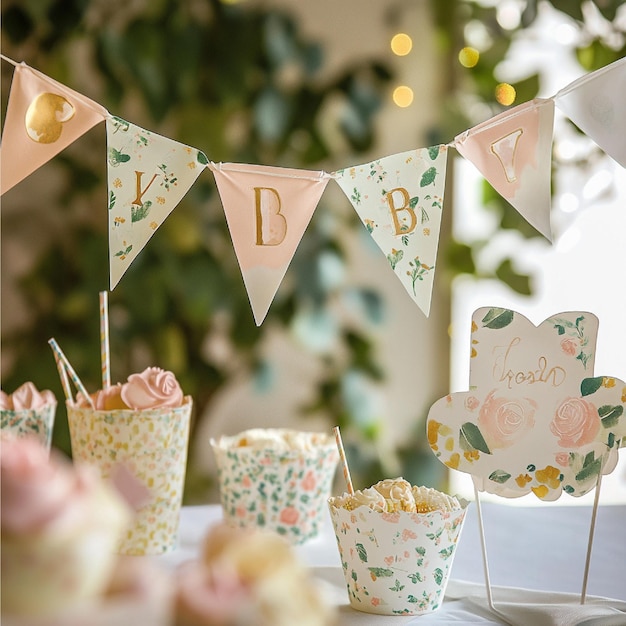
[147,176]
[513,151]
[399,199]
[267,210]
[596,103]
[43,117]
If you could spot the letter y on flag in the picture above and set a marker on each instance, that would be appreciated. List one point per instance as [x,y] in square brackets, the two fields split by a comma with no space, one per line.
[147,176]
[513,151]
[267,210]
[400,200]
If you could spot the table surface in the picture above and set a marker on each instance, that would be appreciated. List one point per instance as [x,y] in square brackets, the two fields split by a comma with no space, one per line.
[534,548]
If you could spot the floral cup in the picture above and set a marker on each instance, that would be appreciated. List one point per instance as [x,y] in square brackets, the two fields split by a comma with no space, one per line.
[37,422]
[396,563]
[281,490]
[152,444]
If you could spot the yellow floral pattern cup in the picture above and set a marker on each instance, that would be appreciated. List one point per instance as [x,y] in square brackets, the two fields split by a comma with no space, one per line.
[152,444]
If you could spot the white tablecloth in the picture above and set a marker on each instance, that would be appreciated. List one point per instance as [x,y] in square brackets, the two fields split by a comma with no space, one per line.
[536,563]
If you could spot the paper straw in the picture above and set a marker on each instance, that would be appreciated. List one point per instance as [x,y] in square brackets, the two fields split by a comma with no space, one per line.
[344,462]
[104,339]
[65,383]
[70,371]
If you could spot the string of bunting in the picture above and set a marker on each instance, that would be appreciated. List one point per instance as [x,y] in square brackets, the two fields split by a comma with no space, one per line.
[399,198]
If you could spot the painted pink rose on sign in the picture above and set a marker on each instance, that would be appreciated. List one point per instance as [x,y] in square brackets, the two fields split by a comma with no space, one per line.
[503,421]
[569,346]
[576,423]
[472,403]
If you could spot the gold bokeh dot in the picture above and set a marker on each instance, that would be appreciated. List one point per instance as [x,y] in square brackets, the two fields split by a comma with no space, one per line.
[401,44]
[505,94]
[403,96]
[468,57]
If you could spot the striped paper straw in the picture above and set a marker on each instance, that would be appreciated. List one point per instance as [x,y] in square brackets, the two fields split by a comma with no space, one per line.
[65,382]
[104,339]
[70,370]
[344,462]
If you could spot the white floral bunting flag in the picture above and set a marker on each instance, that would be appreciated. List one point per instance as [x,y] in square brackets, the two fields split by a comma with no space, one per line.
[513,151]
[536,418]
[267,210]
[147,175]
[399,199]
[43,117]
[596,103]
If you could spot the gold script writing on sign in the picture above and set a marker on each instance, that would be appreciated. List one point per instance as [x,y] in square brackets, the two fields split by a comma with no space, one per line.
[503,373]
[140,193]
[402,228]
[271,225]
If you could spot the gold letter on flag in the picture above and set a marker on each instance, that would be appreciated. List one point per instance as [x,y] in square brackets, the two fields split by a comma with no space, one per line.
[513,151]
[170,168]
[400,200]
[43,117]
[267,210]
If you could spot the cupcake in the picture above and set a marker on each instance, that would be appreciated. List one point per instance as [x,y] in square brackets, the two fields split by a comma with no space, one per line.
[247,576]
[144,425]
[28,411]
[59,526]
[277,479]
[397,543]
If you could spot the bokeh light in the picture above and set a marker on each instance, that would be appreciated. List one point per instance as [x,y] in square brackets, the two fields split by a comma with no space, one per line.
[403,96]
[468,57]
[401,44]
[505,94]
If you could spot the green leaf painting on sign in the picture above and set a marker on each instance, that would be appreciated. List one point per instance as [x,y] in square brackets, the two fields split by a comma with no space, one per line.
[470,438]
[610,414]
[499,476]
[394,257]
[590,385]
[428,177]
[497,318]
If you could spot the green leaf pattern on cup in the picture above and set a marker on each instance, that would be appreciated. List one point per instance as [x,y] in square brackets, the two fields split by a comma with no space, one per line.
[396,564]
[30,422]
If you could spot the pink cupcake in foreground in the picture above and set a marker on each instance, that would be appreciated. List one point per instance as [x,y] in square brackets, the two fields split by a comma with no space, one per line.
[60,524]
[248,576]
[28,411]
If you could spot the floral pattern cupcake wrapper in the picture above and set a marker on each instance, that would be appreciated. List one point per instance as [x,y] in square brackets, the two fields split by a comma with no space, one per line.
[153,445]
[285,492]
[30,422]
[396,563]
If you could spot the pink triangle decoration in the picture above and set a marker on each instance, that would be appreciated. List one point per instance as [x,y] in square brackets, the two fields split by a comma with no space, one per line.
[267,210]
[400,199]
[596,103]
[43,117]
[513,151]
[147,176]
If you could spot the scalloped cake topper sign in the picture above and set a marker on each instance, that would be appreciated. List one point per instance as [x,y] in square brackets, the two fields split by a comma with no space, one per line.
[535,419]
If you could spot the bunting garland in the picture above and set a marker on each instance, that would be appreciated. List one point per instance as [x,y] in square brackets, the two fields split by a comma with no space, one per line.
[399,198]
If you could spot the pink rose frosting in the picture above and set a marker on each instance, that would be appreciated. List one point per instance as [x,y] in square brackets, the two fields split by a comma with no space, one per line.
[38,492]
[26,396]
[152,388]
[109,399]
